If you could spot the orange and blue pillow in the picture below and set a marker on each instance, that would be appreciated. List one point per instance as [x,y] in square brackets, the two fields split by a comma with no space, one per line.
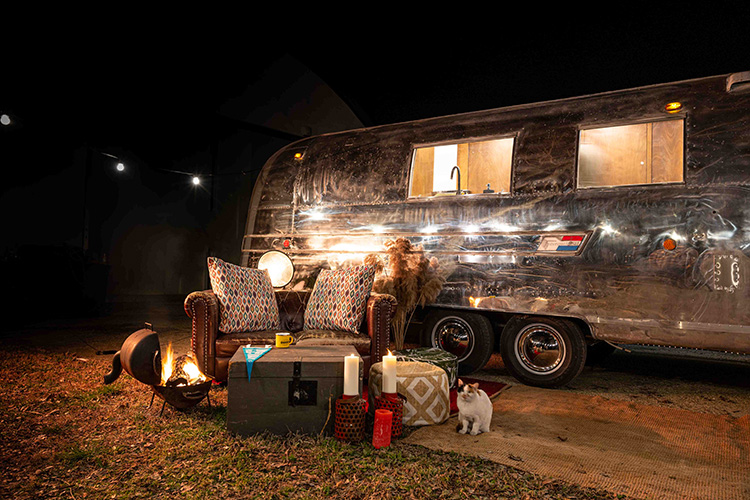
[247,302]
[339,299]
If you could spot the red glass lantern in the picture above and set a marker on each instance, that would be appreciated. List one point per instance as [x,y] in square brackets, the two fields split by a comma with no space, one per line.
[349,424]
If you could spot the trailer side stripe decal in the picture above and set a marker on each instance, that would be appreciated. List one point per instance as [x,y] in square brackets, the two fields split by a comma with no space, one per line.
[560,243]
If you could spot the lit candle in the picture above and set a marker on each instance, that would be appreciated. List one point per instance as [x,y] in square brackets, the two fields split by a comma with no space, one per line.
[389,373]
[351,375]
[381,430]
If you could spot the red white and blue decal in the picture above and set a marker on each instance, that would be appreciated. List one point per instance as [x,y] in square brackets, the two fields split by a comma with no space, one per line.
[561,243]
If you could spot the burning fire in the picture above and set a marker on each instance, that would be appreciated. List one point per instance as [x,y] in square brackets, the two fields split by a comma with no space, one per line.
[179,371]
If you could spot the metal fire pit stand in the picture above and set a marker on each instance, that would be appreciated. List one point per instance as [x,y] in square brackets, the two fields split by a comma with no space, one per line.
[140,356]
[181,397]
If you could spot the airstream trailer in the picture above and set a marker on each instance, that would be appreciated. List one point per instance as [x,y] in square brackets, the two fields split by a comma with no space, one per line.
[562,227]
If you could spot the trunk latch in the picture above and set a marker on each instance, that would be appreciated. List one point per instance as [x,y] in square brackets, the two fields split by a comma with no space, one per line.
[302,392]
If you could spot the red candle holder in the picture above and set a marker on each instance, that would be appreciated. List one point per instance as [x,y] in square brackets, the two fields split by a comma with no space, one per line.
[349,421]
[381,431]
[394,403]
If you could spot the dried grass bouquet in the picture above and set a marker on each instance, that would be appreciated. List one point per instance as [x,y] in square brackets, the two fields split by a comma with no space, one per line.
[410,277]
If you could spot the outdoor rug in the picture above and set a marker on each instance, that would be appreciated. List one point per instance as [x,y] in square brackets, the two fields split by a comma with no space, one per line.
[626,448]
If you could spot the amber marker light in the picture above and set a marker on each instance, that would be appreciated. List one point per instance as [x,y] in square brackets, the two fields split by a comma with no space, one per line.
[673,107]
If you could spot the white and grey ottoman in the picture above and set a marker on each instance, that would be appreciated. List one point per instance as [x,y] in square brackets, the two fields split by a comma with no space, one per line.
[425,387]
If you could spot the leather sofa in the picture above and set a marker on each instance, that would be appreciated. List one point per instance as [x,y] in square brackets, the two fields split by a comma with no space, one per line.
[213,349]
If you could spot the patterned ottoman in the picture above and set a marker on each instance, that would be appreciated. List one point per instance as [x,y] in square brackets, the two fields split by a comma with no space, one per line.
[434,356]
[425,387]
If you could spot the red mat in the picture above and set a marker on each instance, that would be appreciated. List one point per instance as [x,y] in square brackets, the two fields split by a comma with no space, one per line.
[491,388]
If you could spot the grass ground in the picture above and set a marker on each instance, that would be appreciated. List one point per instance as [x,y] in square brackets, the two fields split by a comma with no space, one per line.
[63,434]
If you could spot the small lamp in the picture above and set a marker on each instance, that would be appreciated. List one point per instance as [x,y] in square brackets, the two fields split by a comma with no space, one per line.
[279,267]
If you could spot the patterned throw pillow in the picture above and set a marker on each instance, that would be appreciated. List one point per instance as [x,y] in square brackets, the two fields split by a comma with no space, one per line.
[246,297]
[339,299]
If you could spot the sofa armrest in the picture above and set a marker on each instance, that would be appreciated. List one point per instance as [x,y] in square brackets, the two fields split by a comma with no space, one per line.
[380,310]
[203,308]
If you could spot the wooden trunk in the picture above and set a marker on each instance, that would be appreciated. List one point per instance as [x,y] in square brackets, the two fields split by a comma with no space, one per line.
[292,389]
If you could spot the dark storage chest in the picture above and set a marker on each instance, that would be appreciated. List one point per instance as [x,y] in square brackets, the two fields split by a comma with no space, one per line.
[292,389]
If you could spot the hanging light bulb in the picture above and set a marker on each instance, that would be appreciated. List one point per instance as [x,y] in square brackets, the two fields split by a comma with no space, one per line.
[120,167]
[196,180]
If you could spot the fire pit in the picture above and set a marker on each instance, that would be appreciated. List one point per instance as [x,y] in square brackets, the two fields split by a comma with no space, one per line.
[176,380]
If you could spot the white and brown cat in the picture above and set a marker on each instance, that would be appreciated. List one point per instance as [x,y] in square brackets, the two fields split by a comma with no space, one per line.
[474,409]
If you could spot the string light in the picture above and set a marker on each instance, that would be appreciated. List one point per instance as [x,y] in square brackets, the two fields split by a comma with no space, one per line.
[195,179]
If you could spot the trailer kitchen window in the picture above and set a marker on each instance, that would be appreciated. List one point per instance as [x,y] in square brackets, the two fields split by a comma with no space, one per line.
[643,153]
[484,166]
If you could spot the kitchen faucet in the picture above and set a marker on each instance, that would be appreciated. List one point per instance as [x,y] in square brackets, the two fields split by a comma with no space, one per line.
[458,179]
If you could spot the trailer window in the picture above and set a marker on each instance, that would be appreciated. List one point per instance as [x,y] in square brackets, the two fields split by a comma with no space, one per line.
[481,163]
[644,153]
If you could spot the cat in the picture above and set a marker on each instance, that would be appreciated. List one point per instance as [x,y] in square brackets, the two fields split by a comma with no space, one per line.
[474,409]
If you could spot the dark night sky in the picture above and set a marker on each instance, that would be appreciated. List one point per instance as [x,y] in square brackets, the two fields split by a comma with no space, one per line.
[388,72]
[156,92]
[153,91]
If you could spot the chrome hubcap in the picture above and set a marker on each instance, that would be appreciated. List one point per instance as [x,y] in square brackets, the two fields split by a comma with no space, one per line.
[454,335]
[540,348]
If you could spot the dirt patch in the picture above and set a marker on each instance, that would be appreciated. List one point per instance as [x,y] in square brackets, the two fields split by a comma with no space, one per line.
[717,384]
[654,423]
[627,448]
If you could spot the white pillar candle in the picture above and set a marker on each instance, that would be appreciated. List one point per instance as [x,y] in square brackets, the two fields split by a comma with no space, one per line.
[351,375]
[389,373]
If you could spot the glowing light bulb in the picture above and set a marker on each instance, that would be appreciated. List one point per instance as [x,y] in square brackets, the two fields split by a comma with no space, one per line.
[120,167]
[673,107]
[196,180]
[5,119]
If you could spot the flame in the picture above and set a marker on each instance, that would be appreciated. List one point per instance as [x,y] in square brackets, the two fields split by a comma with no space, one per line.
[193,373]
[189,369]
[167,364]
[474,301]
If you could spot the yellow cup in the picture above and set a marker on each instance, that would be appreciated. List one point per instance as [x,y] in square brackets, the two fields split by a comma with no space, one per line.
[284,339]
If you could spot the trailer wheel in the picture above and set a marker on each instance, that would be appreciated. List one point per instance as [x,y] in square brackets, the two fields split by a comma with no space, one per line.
[543,352]
[466,335]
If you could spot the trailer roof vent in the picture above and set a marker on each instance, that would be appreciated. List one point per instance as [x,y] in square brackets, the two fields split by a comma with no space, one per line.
[738,82]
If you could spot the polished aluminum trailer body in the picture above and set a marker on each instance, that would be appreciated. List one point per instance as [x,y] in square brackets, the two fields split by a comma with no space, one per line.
[336,197]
